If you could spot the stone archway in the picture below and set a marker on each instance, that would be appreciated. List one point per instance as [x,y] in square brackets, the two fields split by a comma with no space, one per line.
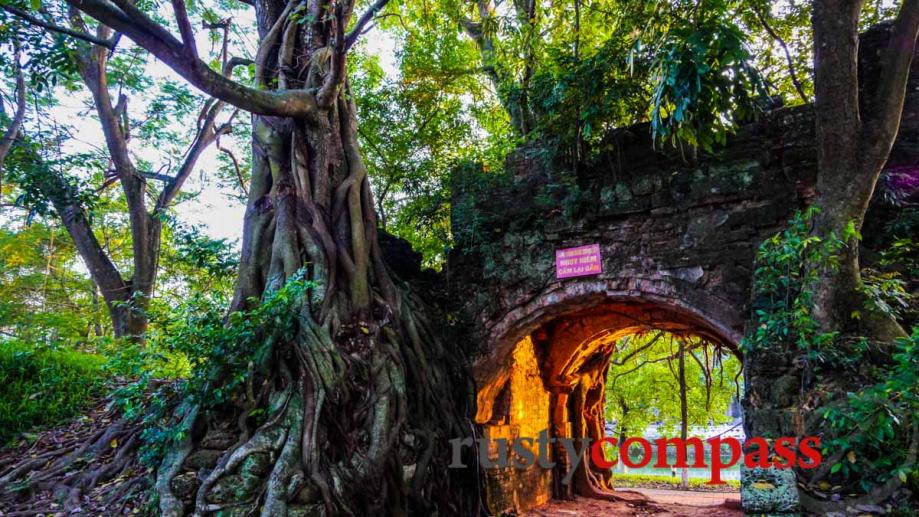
[547,370]
[589,307]
[677,234]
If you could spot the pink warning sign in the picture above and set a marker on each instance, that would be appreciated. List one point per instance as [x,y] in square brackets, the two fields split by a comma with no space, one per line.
[579,261]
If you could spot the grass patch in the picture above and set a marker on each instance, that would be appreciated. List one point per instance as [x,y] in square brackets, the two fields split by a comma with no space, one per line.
[44,387]
[655,481]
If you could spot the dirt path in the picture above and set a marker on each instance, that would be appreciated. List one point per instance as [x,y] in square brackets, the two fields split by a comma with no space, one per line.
[662,503]
[688,497]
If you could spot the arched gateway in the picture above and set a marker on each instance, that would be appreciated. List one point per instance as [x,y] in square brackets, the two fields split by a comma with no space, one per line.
[677,236]
[546,373]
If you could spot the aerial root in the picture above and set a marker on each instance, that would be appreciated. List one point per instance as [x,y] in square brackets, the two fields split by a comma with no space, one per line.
[46,481]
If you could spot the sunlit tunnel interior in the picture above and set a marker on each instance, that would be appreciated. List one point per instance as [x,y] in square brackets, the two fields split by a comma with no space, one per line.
[617,370]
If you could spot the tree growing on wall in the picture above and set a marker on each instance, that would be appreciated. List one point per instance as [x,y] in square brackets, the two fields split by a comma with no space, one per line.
[855,133]
[361,386]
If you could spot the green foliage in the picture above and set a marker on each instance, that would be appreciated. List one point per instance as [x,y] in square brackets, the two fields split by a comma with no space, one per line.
[217,355]
[416,124]
[790,22]
[704,80]
[43,300]
[870,427]
[52,60]
[889,286]
[194,263]
[788,265]
[474,220]
[885,292]
[629,480]
[596,92]
[41,386]
[642,385]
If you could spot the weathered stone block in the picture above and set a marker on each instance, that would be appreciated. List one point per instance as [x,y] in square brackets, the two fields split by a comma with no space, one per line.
[769,491]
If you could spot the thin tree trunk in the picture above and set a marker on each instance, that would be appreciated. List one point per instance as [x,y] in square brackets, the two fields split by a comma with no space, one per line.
[684,410]
[12,131]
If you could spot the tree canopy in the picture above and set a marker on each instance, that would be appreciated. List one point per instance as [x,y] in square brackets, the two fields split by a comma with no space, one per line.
[643,385]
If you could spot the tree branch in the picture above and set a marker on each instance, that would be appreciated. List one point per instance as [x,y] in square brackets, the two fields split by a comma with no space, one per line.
[107,43]
[188,35]
[638,350]
[102,270]
[329,90]
[9,136]
[239,174]
[128,20]
[233,62]
[365,18]
[791,64]
[207,134]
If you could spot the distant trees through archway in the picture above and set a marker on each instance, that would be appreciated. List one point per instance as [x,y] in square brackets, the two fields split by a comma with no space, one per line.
[665,384]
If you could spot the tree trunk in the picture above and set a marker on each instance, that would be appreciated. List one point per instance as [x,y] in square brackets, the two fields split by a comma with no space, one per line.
[855,131]
[369,398]
[129,321]
[512,93]
[684,411]
[852,149]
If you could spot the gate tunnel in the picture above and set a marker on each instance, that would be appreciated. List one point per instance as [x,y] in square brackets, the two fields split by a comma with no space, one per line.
[553,382]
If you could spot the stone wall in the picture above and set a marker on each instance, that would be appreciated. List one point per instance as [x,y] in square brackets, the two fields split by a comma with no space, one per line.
[678,234]
[674,234]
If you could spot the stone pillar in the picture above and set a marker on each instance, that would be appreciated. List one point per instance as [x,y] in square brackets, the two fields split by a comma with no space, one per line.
[772,386]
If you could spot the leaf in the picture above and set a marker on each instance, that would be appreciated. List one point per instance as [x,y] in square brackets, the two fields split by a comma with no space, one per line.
[851,456]
[114,443]
[35,4]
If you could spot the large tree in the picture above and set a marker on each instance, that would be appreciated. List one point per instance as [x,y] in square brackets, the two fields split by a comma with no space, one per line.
[855,133]
[359,397]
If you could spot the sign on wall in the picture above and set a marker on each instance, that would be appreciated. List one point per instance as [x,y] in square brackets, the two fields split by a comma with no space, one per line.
[578,261]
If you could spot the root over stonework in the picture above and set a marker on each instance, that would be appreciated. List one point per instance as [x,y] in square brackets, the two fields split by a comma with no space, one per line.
[350,397]
[339,435]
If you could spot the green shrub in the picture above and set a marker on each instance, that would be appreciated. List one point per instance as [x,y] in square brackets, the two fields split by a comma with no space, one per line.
[40,387]
[627,480]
